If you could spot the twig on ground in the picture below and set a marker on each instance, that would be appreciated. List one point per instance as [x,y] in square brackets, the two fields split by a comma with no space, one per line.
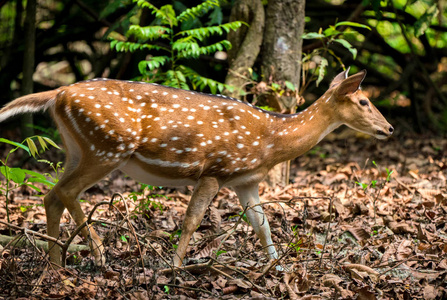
[327,232]
[395,266]
[186,287]
[44,236]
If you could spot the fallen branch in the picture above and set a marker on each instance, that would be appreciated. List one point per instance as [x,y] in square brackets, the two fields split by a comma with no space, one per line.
[22,243]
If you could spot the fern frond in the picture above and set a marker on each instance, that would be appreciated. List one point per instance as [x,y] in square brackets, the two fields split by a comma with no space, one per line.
[165,14]
[204,32]
[169,14]
[177,79]
[198,11]
[144,3]
[121,46]
[186,45]
[149,32]
[201,82]
[195,50]
[153,63]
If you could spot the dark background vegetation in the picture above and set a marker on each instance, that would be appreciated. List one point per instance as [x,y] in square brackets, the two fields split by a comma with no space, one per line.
[404,53]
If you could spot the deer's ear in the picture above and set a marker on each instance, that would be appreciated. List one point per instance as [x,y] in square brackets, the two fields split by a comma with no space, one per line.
[339,78]
[351,84]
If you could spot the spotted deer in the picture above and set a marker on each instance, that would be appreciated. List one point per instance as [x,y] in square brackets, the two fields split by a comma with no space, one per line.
[171,137]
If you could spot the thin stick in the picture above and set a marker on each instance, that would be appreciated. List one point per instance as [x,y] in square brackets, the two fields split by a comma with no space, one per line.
[327,232]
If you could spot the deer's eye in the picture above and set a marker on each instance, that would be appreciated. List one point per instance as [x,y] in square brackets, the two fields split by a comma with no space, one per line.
[363,102]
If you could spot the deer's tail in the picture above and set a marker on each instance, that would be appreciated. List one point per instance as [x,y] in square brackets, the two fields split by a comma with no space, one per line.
[29,104]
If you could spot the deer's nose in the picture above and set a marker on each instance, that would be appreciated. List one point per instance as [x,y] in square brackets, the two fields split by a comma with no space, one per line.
[391,129]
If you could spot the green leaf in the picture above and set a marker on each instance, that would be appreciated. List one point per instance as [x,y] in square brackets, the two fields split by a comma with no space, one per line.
[321,70]
[149,32]
[348,46]
[153,63]
[42,143]
[15,144]
[193,50]
[34,174]
[313,35]
[169,16]
[352,24]
[197,11]
[364,186]
[204,32]
[37,177]
[389,173]
[15,174]
[424,22]
[290,85]
[32,147]
[121,46]
[34,187]
[166,14]
[51,142]
[331,31]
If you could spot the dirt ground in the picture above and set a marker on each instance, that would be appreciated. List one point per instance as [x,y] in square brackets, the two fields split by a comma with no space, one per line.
[362,219]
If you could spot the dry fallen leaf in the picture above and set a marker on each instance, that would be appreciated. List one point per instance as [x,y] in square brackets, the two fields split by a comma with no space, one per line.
[430,292]
[404,250]
[209,249]
[362,270]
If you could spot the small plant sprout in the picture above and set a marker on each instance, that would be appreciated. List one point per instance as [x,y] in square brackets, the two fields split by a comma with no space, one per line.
[375,184]
[17,177]
[145,203]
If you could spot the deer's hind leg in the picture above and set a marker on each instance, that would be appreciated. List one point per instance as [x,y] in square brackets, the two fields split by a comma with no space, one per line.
[204,192]
[79,174]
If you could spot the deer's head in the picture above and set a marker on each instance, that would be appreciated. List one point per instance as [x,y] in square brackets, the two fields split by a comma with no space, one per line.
[354,109]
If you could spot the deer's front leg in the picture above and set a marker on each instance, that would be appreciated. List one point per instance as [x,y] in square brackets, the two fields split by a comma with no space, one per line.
[249,196]
[204,192]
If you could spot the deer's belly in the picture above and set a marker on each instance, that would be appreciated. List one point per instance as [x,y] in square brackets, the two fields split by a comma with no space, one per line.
[155,175]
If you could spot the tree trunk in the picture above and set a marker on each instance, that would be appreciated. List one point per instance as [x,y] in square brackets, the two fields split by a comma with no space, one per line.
[281,60]
[246,43]
[28,63]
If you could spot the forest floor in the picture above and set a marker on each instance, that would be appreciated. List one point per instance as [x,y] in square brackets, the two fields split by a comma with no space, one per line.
[342,229]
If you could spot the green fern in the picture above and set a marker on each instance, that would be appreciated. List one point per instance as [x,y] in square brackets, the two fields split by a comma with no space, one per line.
[167,65]
[198,11]
[204,32]
[121,46]
[150,33]
[201,82]
[153,63]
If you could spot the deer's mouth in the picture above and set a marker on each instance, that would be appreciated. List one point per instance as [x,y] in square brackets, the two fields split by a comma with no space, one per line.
[381,135]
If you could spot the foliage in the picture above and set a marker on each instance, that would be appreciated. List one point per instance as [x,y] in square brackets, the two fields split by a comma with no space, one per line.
[257,89]
[170,44]
[333,34]
[148,202]
[375,184]
[18,177]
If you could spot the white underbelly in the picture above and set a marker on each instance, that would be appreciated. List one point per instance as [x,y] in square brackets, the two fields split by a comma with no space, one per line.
[139,174]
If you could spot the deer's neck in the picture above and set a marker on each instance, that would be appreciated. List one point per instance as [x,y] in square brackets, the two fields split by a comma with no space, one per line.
[296,134]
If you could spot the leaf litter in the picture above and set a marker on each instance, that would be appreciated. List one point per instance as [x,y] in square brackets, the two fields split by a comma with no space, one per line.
[342,229]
